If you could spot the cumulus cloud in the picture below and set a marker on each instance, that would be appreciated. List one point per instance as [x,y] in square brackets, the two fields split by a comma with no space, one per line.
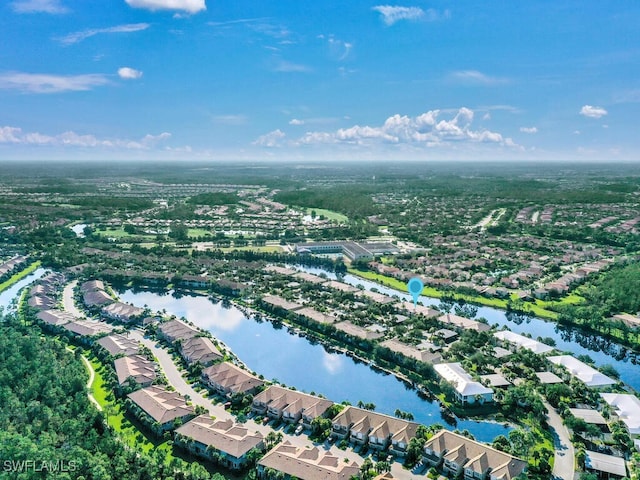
[15,135]
[429,129]
[296,121]
[44,83]
[39,6]
[392,14]
[593,112]
[271,139]
[128,73]
[188,6]
[529,129]
[81,35]
[477,78]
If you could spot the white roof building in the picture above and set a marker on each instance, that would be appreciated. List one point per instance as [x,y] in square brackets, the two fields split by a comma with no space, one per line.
[583,372]
[466,388]
[523,342]
[627,408]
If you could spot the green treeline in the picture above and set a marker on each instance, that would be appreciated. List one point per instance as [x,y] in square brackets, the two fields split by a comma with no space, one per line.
[352,200]
[214,198]
[46,418]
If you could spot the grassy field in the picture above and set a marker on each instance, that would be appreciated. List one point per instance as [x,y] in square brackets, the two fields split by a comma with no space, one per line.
[129,433]
[198,232]
[21,274]
[119,233]
[535,309]
[266,248]
[329,214]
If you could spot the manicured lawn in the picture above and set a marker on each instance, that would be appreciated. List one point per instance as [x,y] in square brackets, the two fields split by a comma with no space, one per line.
[131,434]
[535,309]
[120,233]
[266,248]
[198,232]
[21,274]
[329,214]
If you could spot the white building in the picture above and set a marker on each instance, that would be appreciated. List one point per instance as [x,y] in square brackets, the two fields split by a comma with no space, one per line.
[521,341]
[583,372]
[627,408]
[467,390]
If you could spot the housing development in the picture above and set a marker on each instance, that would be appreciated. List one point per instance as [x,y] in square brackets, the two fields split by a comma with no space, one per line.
[260,326]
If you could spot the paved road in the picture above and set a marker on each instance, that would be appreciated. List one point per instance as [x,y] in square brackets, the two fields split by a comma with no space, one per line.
[68,301]
[564,463]
[175,378]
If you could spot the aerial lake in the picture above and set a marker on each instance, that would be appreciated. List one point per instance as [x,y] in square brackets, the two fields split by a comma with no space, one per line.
[302,363]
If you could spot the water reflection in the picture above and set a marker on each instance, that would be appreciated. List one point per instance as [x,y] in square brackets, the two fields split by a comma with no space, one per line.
[274,352]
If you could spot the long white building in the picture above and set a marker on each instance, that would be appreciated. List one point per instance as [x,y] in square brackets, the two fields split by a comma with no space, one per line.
[467,390]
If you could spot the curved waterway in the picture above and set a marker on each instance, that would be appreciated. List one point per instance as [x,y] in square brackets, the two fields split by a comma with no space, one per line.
[568,339]
[11,293]
[302,363]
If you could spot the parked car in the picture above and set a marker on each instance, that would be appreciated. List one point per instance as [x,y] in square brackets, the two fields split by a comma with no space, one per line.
[299,429]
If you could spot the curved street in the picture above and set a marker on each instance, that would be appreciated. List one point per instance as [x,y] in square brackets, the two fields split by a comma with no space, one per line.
[564,463]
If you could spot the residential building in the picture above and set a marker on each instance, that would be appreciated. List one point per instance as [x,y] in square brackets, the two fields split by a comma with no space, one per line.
[136,368]
[583,372]
[466,389]
[159,408]
[459,455]
[375,429]
[627,409]
[520,341]
[203,436]
[605,466]
[55,317]
[290,405]
[177,330]
[199,350]
[117,345]
[87,328]
[123,312]
[227,379]
[306,463]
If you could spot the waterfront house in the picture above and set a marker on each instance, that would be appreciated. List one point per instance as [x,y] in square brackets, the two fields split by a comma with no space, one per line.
[379,431]
[289,405]
[205,437]
[583,372]
[199,350]
[227,379]
[457,455]
[159,408]
[306,463]
[177,330]
[466,390]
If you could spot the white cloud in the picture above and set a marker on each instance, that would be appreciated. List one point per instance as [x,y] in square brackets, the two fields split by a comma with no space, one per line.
[284,66]
[271,139]
[392,14]
[529,129]
[429,129]
[478,78]
[76,37]
[593,112]
[339,50]
[39,6]
[189,6]
[44,83]
[296,121]
[15,135]
[128,73]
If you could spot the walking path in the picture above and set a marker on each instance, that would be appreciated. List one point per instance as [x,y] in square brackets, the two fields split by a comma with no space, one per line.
[92,376]
[564,463]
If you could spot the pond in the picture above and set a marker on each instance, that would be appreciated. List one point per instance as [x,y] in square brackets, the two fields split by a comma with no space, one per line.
[302,363]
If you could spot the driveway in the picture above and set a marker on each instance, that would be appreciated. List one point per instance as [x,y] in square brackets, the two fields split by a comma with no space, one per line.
[564,463]
[68,301]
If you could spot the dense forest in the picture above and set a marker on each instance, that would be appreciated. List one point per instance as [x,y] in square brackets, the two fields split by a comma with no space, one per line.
[49,429]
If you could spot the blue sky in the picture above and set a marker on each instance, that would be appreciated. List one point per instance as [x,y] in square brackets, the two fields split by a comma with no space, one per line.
[287,79]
